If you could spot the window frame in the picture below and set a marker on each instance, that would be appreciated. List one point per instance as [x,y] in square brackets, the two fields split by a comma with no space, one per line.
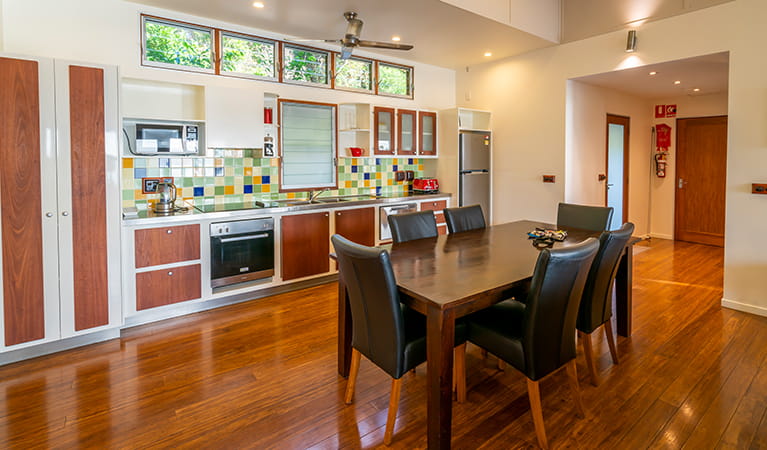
[213,51]
[247,37]
[284,63]
[281,149]
[411,85]
[373,73]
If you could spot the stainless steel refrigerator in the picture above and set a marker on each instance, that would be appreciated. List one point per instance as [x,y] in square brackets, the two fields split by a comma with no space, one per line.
[474,170]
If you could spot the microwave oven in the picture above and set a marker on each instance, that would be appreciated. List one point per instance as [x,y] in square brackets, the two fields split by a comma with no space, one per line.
[161,137]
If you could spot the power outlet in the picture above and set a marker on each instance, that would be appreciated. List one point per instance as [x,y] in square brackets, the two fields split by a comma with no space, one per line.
[399,175]
[149,185]
[549,178]
[409,175]
[758,188]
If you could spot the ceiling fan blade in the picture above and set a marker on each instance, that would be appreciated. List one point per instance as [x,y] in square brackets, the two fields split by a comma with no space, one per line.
[346,52]
[390,45]
[334,41]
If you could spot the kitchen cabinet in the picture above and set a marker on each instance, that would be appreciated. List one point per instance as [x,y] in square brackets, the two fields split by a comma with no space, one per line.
[438,207]
[60,196]
[357,225]
[383,133]
[427,133]
[406,132]
[305,245]
[353,129]
[177,250]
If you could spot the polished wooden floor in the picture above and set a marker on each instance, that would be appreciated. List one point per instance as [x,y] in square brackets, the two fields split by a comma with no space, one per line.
[263,375]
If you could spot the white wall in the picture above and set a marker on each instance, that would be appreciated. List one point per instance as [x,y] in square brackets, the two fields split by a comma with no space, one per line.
[663,189]
[587,107]
[108,31]
[527,95]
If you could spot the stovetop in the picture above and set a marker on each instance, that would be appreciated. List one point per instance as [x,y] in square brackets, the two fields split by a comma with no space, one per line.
[236,206]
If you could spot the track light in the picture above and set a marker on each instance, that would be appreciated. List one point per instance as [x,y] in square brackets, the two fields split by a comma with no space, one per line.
[631,41]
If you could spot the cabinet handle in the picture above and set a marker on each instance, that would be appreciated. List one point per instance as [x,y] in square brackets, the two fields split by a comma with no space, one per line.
[338,213]
[170,274]
[169,231]
[65,214]
[50,214]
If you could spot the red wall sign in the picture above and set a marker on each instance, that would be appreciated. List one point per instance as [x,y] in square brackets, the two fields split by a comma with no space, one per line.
[660,111]
[662,137]
[670,110]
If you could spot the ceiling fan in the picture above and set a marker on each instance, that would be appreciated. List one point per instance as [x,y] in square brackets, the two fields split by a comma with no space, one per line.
[351,38]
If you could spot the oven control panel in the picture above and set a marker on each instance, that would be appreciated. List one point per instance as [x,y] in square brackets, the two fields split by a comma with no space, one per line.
[241,227]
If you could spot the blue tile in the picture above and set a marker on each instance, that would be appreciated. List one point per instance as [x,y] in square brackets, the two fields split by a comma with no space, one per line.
[394,168]
[199,191]
[378,190]
[139,173]
[410,160]
[367,176]
[378,161]
[354,169]
[247,189]
[219,171]
[164,162]
[266,179]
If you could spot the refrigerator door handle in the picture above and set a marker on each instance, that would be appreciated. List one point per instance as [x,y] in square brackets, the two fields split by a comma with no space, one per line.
[474,172]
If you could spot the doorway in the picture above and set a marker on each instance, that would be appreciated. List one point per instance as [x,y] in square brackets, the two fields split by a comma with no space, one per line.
[617,158]
[701,172]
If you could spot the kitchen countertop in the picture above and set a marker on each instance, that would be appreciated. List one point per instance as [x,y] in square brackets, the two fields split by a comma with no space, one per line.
[267,207]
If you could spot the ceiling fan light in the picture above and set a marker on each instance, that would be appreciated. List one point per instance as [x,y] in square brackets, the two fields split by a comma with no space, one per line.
[346,52]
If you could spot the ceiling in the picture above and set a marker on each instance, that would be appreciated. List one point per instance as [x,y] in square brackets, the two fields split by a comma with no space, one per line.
[708,73]
[443,35]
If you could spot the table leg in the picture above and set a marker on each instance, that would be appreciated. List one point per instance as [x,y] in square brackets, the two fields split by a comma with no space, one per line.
[440,340]
[344,329]
[623,284]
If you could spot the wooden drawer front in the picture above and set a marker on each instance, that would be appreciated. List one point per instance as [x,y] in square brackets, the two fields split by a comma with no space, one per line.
[442,229]
[167,286]
[166,245]
[437,207]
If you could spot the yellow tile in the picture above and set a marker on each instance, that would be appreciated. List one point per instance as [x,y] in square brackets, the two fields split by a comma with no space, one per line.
[274,162]
[379,175]
[266,188]
[138,195]
[420,166]
[228,190]
[367,183]
[291,195]
[219,162]
[127,163]
[390,182]
[248,171]
[348,184]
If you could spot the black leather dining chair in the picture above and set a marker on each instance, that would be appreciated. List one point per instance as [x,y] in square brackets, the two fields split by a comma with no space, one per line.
[389,334]
[411,226]
[537,337]
[464,218]
[596,303]
[594,218]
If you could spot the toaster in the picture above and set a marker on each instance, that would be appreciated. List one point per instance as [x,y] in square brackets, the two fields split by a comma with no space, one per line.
[426,185]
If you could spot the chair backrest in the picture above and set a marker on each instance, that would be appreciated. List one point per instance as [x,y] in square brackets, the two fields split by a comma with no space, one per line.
[378,324]
[411,226]
[465,218]
[596,303]
[552,307]
[594,218]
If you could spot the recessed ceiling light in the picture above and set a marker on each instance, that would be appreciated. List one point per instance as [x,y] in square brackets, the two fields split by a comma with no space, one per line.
[653,73]
[677,82]
[258,5]
[488,54]
[696,89]
[395,38]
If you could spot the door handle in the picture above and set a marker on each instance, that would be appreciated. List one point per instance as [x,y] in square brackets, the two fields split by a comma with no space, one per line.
[681,183]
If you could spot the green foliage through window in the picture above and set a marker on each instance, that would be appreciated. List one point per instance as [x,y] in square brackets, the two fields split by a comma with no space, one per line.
[305,65]
[394,80]
[176,44]
[247,56]
[354,73]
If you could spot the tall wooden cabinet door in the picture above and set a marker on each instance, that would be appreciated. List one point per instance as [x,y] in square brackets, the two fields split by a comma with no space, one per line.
[427,133]
[305,245]
[383,131]
[88,196]
[406,132]
[29,275]
[357,225]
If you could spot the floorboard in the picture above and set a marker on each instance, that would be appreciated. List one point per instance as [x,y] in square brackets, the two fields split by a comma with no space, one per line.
[262,374]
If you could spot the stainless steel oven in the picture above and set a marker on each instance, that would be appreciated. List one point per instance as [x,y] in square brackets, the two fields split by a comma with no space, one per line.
[386,211]
[241,251]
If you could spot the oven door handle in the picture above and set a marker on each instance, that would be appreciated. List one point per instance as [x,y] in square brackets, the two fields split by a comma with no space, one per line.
[244,238]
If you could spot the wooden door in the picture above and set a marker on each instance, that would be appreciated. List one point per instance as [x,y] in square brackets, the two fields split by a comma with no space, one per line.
[617,168]
[383,131]
[427,133]
[357,225]
[406,132]
[701,172]
[305,245]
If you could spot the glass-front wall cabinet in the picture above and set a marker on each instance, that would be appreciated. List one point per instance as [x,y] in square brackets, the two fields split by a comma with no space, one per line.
[427,140]
[406,137]
[383,134]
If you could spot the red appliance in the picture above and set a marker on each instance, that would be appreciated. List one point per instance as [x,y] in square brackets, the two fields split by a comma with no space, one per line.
[426,185]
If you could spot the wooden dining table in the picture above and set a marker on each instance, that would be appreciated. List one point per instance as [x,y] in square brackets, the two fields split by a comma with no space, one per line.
[451,276]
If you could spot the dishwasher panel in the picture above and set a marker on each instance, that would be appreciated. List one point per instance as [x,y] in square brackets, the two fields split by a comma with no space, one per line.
[386,211]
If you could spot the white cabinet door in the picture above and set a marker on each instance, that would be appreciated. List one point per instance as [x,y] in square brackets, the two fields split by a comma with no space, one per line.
[234,117]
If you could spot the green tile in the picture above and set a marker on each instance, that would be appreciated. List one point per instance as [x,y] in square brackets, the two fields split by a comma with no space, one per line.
[128,194]
[219,190]
[228,181]
[187,182]
[239,171]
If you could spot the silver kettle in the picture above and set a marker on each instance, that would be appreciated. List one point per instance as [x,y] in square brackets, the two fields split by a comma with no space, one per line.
[166,202]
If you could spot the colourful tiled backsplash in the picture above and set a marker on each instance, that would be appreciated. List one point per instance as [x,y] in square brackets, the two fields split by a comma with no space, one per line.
[236,176]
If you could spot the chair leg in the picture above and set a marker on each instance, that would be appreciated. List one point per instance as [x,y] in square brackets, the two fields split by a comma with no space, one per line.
[534,394]
[459,374]
[353,370]
[501,365]
[611,340]
[393,406]
[587,352]
[483,353]
[572,374]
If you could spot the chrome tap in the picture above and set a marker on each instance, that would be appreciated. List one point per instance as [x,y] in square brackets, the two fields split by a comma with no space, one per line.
[315,194]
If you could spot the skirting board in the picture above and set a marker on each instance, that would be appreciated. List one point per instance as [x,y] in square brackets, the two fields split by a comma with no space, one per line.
[758,310]
[58,346]
[662,236]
